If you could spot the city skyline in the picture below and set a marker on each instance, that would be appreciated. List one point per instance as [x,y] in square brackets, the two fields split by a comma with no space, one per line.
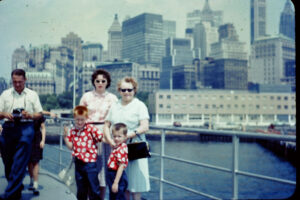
[39,22]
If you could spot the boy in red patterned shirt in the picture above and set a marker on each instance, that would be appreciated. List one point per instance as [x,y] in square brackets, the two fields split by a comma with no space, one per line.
[117,162]
[82,140]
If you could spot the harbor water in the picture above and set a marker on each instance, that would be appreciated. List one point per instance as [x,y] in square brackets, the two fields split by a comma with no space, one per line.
[253,158]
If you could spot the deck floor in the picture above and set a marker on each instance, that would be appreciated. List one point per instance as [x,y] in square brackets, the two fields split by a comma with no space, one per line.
[49,187]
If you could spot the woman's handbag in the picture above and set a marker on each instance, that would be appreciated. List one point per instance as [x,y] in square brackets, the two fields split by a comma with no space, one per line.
[67,175]
[137,150]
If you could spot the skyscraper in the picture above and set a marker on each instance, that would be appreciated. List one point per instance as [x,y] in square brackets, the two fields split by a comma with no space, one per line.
[178,52]
[287,21]
[204,35]
[74,42]
[143,39]
[20,58]
[215,17]
[257,19]
[92,52]
[230,70]
[228,46]
[204,26]
[269,57]
[114,46]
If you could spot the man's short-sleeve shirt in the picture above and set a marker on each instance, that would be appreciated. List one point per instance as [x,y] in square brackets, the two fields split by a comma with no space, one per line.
[118,156]
[28,99]
[84,142]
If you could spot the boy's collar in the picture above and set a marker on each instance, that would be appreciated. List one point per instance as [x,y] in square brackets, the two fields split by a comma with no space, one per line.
[80,129]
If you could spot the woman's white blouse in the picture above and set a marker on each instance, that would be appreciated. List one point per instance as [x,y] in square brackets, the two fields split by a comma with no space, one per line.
[130,114]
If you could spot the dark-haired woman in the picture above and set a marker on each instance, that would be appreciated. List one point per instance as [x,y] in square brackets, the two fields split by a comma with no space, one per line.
[98,102]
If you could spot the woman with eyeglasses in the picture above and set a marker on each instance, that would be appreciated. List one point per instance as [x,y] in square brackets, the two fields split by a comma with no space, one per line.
[134,113]
[98,102]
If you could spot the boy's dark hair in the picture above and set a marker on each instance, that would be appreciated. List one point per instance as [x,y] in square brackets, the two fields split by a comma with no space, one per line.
[18,72]
[120,126]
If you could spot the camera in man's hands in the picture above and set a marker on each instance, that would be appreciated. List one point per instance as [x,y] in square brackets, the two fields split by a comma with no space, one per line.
[17,114]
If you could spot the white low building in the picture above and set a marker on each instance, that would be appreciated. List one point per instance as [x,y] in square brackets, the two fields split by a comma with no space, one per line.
[197,107]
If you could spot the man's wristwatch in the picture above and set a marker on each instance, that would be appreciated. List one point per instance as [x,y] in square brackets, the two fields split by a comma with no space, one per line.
[135,132]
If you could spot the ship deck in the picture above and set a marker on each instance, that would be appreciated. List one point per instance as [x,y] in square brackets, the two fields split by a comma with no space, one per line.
[49,187]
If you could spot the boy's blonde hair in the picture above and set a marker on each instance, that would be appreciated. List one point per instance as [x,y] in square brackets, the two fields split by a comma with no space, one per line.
[80,111]
[120,126]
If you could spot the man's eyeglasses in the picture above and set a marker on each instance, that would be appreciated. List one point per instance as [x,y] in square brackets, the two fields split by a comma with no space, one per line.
[100,81]
[128,90]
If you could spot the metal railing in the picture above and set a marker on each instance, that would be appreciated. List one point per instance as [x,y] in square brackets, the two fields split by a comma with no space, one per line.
[234,170]
[236,135]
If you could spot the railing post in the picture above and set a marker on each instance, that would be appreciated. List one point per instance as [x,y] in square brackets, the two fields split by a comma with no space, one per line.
[60,144]
[235,166]
[162,154]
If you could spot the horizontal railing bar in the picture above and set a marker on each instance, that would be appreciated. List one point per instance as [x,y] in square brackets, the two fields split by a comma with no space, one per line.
[58,148]
[154,178]
[198,164]
[194,163]
[53,161]
[189,189]
[266,177]
[183,187]
[228,133]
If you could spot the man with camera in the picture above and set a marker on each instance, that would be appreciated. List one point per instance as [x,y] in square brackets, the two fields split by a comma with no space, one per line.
[19,106]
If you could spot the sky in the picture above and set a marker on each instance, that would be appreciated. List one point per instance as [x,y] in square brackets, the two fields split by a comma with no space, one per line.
[39,22]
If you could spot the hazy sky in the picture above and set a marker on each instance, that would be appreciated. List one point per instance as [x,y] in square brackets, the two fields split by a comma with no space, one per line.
[37,22]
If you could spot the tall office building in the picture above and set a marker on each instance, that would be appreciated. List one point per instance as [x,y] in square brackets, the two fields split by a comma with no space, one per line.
[215,17]
[228,74]
[184,77]
[74,42]
[257,19]
[178,52]
[92,52]
[269,58]
[114,46]
[143,39]
[228,46]
[287,20]
[169,29]
[204,35]
[84,85]
[38,56]
[230,69]
[204,25]
[41,82]
[20,58]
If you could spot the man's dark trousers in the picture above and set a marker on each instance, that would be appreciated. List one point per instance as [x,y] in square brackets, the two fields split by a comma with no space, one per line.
[15,144]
